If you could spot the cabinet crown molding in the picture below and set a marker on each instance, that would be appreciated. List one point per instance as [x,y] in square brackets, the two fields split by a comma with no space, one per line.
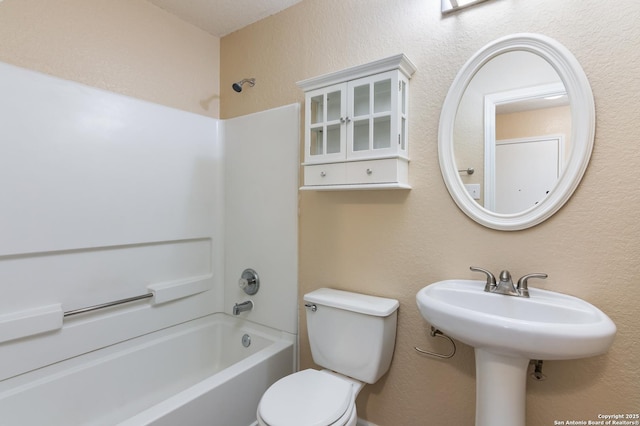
[396,62]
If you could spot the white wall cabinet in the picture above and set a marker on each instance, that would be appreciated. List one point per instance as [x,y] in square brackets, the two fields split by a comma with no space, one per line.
[356,127]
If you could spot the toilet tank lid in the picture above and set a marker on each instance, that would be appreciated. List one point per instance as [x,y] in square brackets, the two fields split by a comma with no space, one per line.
[355,302]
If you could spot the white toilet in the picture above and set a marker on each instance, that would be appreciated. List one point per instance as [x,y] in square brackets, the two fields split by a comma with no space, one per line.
[351,335]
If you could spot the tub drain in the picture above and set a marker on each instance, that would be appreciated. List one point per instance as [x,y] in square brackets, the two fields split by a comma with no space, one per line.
[246,340]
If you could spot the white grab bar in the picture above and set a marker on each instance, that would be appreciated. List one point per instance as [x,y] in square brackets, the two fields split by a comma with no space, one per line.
[28,322]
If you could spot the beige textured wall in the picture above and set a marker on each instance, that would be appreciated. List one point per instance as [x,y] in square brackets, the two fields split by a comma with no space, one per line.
[394,243]
[126,46]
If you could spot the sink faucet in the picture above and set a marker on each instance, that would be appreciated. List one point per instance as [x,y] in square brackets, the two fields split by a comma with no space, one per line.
[242,307]
[505,285]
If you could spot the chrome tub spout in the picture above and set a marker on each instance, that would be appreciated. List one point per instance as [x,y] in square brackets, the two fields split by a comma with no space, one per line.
[242,307]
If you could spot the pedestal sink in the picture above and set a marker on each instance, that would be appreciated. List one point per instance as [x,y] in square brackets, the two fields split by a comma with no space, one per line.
[506,332]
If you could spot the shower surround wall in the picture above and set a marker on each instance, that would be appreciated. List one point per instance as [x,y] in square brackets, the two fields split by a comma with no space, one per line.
[103,196]
[111,197]
[261,212]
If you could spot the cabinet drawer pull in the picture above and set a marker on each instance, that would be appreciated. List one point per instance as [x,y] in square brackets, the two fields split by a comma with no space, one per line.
[369,171]
[323,174]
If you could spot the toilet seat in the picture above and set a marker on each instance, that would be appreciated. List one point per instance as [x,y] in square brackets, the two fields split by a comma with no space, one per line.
[309,397]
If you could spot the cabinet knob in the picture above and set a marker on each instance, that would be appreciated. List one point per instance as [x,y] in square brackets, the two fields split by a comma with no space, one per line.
[323,174]
[369,171]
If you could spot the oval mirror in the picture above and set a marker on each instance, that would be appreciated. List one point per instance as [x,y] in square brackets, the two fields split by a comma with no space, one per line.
[516,131]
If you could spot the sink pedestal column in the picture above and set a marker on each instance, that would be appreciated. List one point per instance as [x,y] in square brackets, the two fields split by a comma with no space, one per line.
[500,389]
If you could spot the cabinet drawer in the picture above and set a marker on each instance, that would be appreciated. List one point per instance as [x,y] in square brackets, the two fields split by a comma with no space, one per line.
[375,171]
[325,174]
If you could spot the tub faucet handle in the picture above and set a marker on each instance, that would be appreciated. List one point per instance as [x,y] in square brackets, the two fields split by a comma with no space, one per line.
[249,281]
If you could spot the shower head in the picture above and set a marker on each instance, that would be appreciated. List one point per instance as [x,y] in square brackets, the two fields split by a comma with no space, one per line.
[238,86]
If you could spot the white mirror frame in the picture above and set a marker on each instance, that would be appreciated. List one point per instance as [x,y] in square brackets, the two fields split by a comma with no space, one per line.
[582,130]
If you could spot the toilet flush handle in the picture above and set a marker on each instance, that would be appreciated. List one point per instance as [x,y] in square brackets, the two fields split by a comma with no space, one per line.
[311,306]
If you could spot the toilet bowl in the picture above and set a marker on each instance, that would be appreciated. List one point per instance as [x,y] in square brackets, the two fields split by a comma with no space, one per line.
[310,398]
[352,336]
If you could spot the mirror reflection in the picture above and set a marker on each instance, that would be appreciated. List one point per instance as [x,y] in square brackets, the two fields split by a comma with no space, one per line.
[513,128]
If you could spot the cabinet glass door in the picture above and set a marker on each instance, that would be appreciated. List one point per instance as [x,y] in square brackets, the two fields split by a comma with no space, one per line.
[360,117]
[334,114]
[316,113]
[371,129]
[325,136]
[403,116]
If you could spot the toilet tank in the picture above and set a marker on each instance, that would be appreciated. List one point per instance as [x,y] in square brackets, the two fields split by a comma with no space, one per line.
[351,333]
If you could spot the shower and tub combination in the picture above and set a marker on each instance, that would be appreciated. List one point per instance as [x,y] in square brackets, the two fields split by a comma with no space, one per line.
[188,374]
[124,235]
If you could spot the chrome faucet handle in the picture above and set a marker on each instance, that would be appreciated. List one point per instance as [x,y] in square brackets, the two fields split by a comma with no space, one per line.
[523,285]
[491,279]
[249,281]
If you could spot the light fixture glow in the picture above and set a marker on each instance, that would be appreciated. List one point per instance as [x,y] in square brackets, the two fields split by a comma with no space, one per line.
[448,6]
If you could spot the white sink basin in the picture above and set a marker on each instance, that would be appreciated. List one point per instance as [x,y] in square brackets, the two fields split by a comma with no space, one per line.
[546,326]
[507,331]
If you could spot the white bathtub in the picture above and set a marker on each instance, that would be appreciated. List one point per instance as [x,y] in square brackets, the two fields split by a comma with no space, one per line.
[196,373]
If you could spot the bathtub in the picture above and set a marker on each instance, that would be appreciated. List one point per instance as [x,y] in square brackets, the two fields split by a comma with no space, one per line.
[195,373]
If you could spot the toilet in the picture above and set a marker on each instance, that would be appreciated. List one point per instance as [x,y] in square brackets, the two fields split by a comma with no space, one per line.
[352,336]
